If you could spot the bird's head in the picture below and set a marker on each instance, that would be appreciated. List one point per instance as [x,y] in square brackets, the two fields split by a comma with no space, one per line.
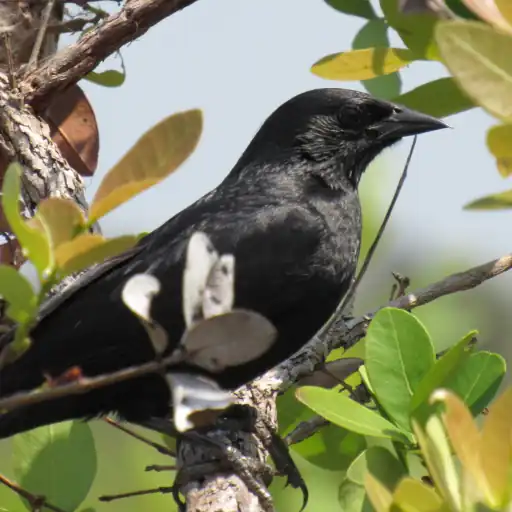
[338,132]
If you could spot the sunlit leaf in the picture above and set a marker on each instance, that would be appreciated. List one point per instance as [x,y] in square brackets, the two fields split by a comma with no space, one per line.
[499,201]
[436,451]
[414,496]
[489,11]
[362,64]
[374,34]
[158,153]
[379,494]
[399,353]
[496,451]
[477,380]
[19,294]
[88,249]
[416,30]
[362,8]
[463,433]
[108,78]
[342,411]
[442,369]
[499,142]
[56,461]
[61,219]
[34,243]
[505,8]
[439,98]
[478,58]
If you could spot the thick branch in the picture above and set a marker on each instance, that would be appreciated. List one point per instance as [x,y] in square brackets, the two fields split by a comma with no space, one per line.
[67,67]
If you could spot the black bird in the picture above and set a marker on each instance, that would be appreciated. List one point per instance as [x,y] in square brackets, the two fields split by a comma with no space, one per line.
[290,213]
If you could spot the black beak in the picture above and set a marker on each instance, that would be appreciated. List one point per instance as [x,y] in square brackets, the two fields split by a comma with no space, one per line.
[404,122]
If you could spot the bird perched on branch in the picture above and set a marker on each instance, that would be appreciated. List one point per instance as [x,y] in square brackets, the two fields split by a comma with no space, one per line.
[290,214]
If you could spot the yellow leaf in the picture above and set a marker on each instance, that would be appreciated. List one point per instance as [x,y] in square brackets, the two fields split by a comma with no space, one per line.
[490,11]
[496,451]
[379,495]
[479,59]
[414,496]
[362,64]
[61,219]
[505,8]
[88,249]
[436,451]
[464,435]
[499,142]
[500,201]
[158,153]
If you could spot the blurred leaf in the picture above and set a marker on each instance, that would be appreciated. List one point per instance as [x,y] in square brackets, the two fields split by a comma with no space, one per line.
[108,78]
[35,245]
[352,497]
[57,461]
[61,219]
[88,249]
[442,369]
[463,433]
[416,30]
[342,411]
[158,153]
[362,64]
[74,129]
[362,8]
[399,353]
[477,379]
[414,496]
[18,292]
[499,201]
[499,142]
[290,412]
[496,449]
[381,463]
[379,494]
[488,11]
[505,8]
[440,98]
[436,452]
[458,7]
[478,58]
[374,34]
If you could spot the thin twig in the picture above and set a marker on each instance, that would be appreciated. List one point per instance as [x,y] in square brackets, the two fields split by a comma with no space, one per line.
[378,237]
[160,448]
[10,63]
[35,501]
[156,490]
[40,35]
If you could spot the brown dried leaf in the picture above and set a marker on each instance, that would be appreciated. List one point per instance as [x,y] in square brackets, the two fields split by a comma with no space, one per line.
[74,129]
[11,254]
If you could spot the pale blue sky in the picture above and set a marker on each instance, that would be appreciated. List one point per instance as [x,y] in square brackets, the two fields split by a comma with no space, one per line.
[238,60]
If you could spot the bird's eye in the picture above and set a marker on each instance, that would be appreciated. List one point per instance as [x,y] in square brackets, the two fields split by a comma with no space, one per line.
[350,118]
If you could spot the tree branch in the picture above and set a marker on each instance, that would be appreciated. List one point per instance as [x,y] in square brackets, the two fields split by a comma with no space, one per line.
[67,67]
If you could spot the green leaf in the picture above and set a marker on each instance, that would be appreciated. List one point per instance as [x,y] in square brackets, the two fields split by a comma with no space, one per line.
[342,411]
[440,98]
[478,57]
[361,8]
[88,249]
[57,461]
[444,367]
[375,34]
[399,353]
[416,30]
[499,142]
[34,243]
[18,292]
[109,78]
[499,201]
[381,463]
[352,497]
[362,64]
[158,153]
[478,379]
